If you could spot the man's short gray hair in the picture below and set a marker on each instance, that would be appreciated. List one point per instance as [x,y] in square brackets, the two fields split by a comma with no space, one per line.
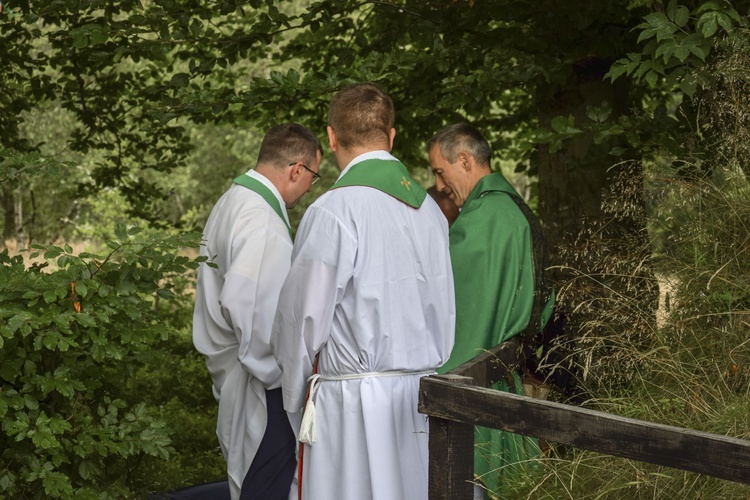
[461,137]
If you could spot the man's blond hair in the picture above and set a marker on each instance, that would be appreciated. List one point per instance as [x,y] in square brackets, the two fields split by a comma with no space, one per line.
[361,114]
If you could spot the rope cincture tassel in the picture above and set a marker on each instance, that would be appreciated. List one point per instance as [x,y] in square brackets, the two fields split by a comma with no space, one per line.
[308,432]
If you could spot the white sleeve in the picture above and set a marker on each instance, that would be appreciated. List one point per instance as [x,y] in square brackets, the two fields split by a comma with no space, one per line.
[259,262]
[322,265]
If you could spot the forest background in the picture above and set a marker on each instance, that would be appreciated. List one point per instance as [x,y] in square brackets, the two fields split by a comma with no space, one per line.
[624,123]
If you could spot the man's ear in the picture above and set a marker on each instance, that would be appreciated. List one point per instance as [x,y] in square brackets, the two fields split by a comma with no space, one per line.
[332,139]
[294,173]
[465,160]
[392,136]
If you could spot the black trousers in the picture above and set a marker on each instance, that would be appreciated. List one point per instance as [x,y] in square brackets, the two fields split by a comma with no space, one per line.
[272,471]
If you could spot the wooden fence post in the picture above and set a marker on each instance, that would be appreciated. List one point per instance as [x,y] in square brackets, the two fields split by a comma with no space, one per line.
[451,469]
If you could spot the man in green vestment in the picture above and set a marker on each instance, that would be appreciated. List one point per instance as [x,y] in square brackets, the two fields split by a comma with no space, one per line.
[498,289]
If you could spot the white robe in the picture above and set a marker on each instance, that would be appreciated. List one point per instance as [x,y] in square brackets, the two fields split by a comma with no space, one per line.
[371,289]
[234,310]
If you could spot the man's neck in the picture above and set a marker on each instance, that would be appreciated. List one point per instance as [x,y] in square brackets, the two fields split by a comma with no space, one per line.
[274,176]
[480,173]
[345,156]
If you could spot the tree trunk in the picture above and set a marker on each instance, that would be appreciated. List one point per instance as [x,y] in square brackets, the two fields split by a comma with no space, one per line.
[7,201]
[574,181]
[591,204]
[18,204]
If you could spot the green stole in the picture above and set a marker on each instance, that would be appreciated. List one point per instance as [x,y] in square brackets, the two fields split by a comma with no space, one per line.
[258,187]
[388,176]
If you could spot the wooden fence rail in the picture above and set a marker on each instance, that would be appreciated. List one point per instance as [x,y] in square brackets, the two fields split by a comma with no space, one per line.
[456,403]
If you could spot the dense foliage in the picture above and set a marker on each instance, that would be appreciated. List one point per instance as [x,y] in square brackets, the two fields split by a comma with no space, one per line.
[76,330]
[630,117]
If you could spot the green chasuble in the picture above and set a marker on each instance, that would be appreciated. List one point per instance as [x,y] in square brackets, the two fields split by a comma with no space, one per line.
[491,254]
[389,176]
[260,188]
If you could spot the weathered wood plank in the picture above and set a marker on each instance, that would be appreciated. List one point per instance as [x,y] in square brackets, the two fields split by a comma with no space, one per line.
[451,460]
[492,365]
[701,452]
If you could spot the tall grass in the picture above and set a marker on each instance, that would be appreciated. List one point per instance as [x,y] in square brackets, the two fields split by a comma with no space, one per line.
[686,365]
[686,362]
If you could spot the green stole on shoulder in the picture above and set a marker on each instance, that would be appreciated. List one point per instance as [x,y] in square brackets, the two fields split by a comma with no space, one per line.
[260,188]
[388,176]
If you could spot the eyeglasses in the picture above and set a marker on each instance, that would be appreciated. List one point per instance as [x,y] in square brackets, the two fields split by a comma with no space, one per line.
[316,176]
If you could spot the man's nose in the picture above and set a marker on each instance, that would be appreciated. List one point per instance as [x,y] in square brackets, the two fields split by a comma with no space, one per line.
[439,183]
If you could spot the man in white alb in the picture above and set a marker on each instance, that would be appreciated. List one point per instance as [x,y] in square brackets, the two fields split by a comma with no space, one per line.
[368,305]
[248,240]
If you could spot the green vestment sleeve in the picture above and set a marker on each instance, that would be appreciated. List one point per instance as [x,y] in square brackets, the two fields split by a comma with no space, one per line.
[493,270]
[490,245]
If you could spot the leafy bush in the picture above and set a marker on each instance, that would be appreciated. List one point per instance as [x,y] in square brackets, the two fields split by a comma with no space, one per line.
[75,331]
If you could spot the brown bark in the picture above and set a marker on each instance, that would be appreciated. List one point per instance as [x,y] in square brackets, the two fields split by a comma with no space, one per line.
[9,212]
[573,181]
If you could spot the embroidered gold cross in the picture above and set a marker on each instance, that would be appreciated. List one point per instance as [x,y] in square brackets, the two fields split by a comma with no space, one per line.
[406,183]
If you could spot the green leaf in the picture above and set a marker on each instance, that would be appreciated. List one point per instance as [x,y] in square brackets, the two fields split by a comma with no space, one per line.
[84,319]
[84,470]
[707,6]
[599,114]
[617,69]
[659,25]
[708,24]
[15,322]
[196,27]
[681,16]
[50,296]
[51,340]
[666,50]
[121,232]
[682,53]
[734,15]
[52,252]
[696,44]
[725,22]
[559,124]
[688,87]
[99,35]
[80,40]
[30,402]
[57,484]
[180,80]
[58,426]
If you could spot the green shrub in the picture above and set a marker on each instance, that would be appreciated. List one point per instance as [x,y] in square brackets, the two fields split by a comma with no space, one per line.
[75,332]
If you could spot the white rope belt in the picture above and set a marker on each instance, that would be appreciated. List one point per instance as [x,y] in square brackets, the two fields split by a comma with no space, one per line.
[307,432]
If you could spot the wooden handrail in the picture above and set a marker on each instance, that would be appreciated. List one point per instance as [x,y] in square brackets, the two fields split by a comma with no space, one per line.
[493,365]
[456,403]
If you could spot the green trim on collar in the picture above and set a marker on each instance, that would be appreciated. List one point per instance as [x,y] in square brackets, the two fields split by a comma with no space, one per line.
[388,176]
[260,188]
